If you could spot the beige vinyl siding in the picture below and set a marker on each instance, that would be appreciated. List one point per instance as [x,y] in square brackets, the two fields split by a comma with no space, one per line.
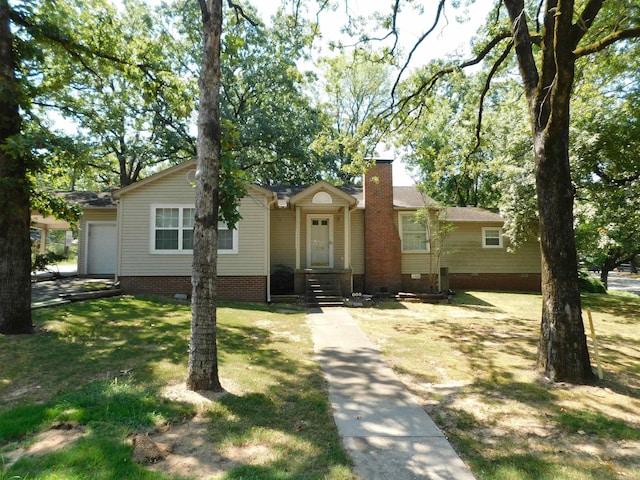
[135,258]
[463,252]
[424,263]
[357,241]
[252,240]
[91,215]
[283,238]
[338,240]
[307,202]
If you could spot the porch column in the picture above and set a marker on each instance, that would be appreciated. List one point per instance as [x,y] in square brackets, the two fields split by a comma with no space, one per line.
[43,239]
[347,237]
[297,238]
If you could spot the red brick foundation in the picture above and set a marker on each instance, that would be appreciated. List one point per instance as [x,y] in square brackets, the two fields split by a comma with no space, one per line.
[520,282]
[240,288]
[425,284]
[358,283]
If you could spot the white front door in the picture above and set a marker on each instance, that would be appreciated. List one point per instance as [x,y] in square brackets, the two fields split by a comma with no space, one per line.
[320,241]
[102,241]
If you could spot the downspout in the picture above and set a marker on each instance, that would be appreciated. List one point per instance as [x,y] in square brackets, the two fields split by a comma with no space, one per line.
[118,243]
[273,201]
[349,210]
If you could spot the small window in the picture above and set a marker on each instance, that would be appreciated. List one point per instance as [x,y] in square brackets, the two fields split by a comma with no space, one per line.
[414,234]
[322,198]
[172,231]
[491,237]
[227,239]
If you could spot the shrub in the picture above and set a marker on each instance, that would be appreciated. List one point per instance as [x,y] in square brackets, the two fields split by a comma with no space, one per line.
[589,283]
[282,280]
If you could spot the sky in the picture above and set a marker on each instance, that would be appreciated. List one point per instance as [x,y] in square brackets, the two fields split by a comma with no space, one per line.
[451,36]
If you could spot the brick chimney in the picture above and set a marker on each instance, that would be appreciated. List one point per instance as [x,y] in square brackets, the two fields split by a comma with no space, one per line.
[381,238]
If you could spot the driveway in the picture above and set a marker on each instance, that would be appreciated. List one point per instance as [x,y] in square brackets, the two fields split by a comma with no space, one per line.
[624,282]
[46,288]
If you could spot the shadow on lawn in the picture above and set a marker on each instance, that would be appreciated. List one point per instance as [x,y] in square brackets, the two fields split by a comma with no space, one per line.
[528,414]
[108,381]
[624,307]
[464,299]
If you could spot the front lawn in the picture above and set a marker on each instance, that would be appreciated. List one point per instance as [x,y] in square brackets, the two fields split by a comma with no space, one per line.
[472,364]
[103,378]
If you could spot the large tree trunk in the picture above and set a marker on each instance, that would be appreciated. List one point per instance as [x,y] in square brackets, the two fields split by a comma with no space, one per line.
[203,355]
[15,246]
[562,351]
[548,82]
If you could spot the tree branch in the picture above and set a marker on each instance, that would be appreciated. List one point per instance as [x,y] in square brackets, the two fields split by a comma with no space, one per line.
[240,13]
[585,21]
[416,45]
[204,10]
[54,35]
[608,40]
[428,84]
[522,42]
[485,90]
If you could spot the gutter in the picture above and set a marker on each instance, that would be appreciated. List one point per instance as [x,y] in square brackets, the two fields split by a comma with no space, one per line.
[273,201]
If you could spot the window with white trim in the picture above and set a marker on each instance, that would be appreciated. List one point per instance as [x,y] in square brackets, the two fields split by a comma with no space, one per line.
[414,234]
[227,239]
[491,237]
[172,231]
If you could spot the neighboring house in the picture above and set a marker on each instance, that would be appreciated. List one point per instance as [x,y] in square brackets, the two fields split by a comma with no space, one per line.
[366,237]
[98,240]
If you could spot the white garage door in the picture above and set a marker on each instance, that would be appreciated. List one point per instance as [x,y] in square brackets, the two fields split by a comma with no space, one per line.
[101,248]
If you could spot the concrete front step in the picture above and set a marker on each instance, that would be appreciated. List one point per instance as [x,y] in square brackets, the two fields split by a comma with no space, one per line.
[323,290]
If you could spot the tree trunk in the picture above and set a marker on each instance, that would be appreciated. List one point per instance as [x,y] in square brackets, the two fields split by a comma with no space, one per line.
[562,351]
[604,277]
[203,355]
[15,245]
[548,82]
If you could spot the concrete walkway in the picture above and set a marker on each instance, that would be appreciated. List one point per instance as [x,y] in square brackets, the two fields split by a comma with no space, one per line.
[383,427]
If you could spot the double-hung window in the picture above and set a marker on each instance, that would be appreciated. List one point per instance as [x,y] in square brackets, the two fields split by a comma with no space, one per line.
[172,231]
[491,237]
[414,234]
[227,239]
[172,228]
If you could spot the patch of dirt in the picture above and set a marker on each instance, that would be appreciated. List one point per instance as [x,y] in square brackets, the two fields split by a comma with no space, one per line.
[276,334]
[178,392]
[187,449]
[56,438]
[184,449]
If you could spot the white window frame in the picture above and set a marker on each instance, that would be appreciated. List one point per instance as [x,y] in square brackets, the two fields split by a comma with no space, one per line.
[234,249]
[484,237]
[180,228]
[401,228]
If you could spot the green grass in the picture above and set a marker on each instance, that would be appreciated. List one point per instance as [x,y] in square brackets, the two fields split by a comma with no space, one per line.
[101,365]
[473,364]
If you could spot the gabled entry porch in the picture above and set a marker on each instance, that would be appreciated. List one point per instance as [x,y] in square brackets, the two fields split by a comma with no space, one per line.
[323,239]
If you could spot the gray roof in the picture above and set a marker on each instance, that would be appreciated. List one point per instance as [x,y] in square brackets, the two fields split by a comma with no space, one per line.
[472,214]
[412,197]
[89,199]
[403,197]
